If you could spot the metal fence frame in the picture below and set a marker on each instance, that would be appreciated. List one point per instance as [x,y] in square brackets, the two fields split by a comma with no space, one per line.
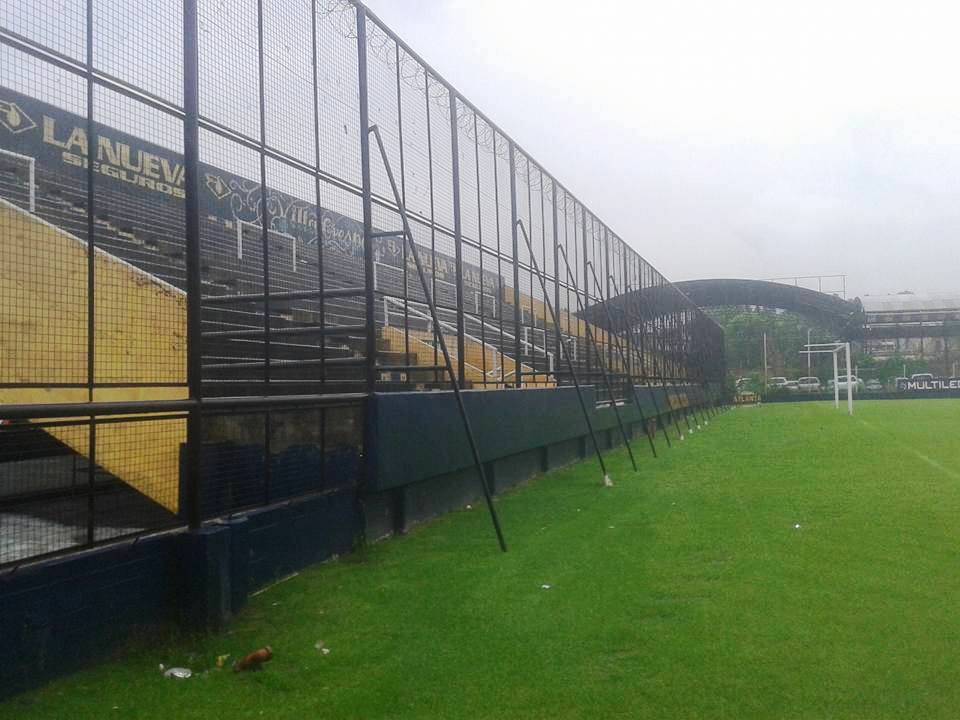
[661,339]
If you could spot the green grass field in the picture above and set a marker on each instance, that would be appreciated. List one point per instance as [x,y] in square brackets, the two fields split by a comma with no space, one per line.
[686,591]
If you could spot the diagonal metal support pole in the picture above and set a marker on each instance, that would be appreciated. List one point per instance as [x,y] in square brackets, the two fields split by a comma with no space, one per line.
[623,358]
[673,381]
[454,382]
[707,402]
[601,363]
[691,407]
[666,389]
[659,376]
[699,382]
[707,397]
[617,344]
[673,411]
[566,356]
[651,432]
[667,378]
[683,406]
[702,370]
[643,369]
[699,412]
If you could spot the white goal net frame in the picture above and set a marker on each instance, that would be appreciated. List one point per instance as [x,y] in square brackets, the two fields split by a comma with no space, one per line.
[31,174]
[834,349]
[241,224]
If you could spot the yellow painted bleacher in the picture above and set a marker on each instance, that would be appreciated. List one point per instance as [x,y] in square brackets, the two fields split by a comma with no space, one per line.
[477,358]
[139,337]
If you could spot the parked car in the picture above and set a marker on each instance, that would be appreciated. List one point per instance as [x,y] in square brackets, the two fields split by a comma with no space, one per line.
[809,384]
[776,382]
[873,385]
[857,383]
[791,386]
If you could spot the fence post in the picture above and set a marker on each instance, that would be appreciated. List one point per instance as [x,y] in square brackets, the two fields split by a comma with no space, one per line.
[606,296]
[371,331]
[92,142]
[191,167]
[517,316]
[586,291]
[457,235]
[556,273]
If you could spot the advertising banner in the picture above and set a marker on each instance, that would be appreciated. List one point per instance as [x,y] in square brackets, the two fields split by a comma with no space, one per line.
[58,143]
[928,385]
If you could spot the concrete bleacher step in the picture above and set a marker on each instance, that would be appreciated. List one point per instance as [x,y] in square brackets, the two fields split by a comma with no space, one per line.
[481,363]
[148,234]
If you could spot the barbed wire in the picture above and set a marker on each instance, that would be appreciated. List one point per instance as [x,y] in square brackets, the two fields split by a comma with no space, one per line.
[341,17]
[382,46]
[334,10]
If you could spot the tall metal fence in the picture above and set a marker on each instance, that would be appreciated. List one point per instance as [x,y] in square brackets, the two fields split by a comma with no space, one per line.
[202,275]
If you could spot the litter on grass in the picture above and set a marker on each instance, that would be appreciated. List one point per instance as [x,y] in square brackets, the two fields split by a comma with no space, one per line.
[179,673]
[255,660]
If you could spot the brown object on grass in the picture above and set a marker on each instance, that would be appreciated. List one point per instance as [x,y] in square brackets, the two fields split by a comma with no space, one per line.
[255,660]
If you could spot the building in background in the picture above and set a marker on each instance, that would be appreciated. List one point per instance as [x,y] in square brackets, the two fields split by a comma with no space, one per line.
[914,325]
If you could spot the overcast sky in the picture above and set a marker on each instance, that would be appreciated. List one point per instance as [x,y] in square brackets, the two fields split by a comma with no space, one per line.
[729,139]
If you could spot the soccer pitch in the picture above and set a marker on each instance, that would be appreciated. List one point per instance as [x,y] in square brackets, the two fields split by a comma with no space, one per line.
[786,562]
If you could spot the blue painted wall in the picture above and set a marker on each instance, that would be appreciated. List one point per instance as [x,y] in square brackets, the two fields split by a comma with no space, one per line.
[57,615]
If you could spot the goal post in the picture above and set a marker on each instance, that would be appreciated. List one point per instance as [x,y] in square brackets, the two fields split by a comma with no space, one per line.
[834,349]
[241,224]
[31,175]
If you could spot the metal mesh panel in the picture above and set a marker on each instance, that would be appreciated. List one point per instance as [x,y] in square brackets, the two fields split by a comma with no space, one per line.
[210,218]
[61,486]
[145,51]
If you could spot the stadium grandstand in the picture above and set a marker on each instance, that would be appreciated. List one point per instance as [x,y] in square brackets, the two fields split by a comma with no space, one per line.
[284,278]
[141,223]
[272,289]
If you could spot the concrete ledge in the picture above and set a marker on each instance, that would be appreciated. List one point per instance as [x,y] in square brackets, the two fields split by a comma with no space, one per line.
[505,423]
[564,452]
[514,469]
[56,615]
[62,613]
[205,572]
